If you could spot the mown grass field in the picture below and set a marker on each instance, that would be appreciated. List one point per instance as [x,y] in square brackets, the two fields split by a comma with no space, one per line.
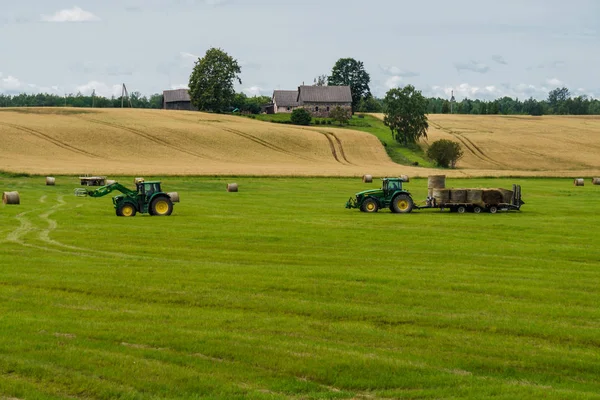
[278,291]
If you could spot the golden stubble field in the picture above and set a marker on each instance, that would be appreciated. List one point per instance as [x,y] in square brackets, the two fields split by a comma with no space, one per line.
[555,145]
[159,142]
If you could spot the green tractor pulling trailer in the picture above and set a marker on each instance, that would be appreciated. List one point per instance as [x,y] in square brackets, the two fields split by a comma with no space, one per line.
[147,198]
[398,200]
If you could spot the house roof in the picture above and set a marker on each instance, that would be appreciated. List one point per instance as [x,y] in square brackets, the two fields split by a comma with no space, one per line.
[324,94]
[285,98]
[171,96]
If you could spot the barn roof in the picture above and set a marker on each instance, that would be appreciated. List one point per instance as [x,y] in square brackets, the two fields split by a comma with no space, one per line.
[285,98]
[324,94]
[176,95]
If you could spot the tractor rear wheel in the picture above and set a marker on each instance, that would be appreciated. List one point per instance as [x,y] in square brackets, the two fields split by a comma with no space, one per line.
[126,210]
[369,205]
[402,204]
[161,206]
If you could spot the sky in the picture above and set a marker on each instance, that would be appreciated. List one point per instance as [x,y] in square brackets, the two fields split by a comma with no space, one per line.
[475,48]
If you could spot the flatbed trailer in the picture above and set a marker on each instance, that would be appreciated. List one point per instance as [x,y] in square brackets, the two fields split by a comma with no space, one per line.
[476,206]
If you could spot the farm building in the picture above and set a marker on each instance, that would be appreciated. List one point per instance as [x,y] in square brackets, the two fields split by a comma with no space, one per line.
[319,100]
[178,99]
[285,101]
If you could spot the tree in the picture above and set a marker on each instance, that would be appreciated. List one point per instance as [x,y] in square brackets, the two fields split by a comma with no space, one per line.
[445,153]
[349,72]
[320,80]
[211,81]
[446,107]
[300,116]
[370,105]
[405,114]
[340,114]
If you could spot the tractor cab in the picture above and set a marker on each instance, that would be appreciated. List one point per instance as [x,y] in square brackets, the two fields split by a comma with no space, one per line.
[391,185]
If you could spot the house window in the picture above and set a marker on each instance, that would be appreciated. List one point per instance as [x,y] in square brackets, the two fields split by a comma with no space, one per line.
[288,108]
[317,109]
[328,109]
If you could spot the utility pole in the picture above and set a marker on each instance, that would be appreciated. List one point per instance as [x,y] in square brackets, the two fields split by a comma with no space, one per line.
[451,101]
[93,97]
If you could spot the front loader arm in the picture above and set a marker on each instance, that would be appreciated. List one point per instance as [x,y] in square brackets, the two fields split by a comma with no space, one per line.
[104,190]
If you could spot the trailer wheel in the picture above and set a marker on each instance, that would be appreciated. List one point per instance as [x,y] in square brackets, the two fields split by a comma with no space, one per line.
[461,209]
[477,209]
[402,204]
[493,209]
[369,205]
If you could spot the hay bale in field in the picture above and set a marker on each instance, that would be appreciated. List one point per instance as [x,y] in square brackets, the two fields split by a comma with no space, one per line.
[578,182]
[458,195]
[436,182]
[492,196]
[110,181]
[137,180]
[50,181]
[595,181]
[174,197]
[404,178]
[232,187]
[441,195]
[367,178]
[474,196]
[11,198]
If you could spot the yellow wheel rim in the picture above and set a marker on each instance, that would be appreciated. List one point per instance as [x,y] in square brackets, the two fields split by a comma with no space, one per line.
[162,207]
[370,206]
[127,211]
[403,205]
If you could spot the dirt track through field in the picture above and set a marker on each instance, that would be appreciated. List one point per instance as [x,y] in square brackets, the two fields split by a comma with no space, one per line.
[160,142]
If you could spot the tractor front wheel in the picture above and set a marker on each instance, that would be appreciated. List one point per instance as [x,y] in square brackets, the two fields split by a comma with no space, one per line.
[126,210]
[161,206]
[369,205]
[402,204]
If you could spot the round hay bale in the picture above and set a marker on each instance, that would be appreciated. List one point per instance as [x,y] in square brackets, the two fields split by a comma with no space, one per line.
[11,198]
[367,178]
[110,181]
[232,187]
[404,178]
[430,192]
[578,182]
[595,181]
[137,180]
[441,195]
[474,195]
[458,195]
[436,182]
[174,197]
[50,181]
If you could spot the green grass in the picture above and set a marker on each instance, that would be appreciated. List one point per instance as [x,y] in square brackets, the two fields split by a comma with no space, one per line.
[398,153]
[278,291]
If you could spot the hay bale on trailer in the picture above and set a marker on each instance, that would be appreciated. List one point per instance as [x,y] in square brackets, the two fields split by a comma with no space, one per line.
[578,182]
[50,181]
[441,196]
[11,198]
[458,195]
[436,182]
[474,196]
[367,178]
[492,196]
[232,187]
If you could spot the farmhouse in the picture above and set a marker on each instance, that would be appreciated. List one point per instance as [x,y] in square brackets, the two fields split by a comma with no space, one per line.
[285,101]
[178,99]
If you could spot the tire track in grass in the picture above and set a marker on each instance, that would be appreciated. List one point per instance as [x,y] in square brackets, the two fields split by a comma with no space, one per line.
[150,137]
[50,139]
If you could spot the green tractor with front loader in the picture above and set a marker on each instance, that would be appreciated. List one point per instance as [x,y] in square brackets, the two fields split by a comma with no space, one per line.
[147,198]
[391,195]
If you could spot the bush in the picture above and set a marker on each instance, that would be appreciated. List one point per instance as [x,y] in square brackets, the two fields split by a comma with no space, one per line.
[328,122]
[341,114]
[317,122]
[300,116]
[445,153]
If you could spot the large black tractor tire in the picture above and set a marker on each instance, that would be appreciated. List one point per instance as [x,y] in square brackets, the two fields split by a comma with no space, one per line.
[369,205]
[402,204]
[126,210]
[161,206]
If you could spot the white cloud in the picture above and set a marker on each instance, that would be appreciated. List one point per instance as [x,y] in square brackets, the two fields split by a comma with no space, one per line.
[102,89]
[554,82]
[472,66]
[187,55]
[393,82]
[10,83]
[253,91]
[74,14]
[395,71]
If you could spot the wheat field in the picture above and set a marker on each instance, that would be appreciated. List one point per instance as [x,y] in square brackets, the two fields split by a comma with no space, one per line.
[159,142]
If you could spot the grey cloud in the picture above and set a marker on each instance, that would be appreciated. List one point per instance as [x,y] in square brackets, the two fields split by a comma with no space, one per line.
[87,68]
[499,59]
[395,71]
[472,66]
